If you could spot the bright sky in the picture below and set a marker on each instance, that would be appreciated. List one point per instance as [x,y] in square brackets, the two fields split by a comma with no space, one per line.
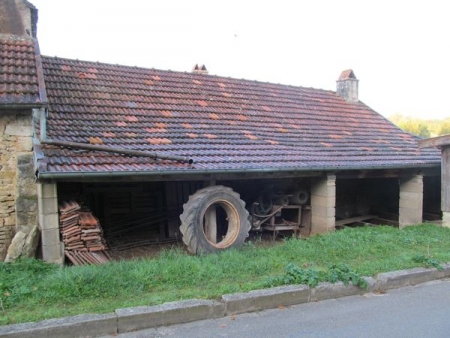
[399,50]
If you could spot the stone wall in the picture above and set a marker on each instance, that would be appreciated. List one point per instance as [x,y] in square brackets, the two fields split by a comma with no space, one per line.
[18,201]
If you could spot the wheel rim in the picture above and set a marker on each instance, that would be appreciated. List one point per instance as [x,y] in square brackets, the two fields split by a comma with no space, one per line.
[213,221]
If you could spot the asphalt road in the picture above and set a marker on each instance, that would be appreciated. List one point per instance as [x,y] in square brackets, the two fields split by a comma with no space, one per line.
[420,311]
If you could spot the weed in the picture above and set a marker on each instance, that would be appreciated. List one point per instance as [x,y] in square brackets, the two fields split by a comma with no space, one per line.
[295,275]
[428,262]
[311,277]
[342,272]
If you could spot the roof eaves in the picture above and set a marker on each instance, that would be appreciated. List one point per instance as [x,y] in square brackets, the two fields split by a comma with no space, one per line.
[173,173]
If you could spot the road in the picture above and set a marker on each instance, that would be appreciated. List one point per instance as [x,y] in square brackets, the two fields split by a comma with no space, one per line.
[420,311]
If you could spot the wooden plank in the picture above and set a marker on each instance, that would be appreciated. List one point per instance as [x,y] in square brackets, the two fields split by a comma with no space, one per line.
[72,239]
[81,257]
[100,257]
[354,219]
[365,224]
[91,231]
[440,141]
[431,217]
[445,180]
[280,227]
[84,236]
[70,257]
[388,215]
[171,200]
[383,221]
[90,238]
[71,232]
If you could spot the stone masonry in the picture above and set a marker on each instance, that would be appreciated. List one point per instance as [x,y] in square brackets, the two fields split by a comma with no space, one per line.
[323,205]
[411,200]
[18,200]
[52,246]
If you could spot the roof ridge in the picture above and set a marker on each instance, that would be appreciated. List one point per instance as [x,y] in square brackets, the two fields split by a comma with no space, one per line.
[15,37]
[190,74]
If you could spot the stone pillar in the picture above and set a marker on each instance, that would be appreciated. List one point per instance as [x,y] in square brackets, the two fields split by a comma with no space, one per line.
[26,239]
[411,201]
[19,234]
[52,247]
[323,205]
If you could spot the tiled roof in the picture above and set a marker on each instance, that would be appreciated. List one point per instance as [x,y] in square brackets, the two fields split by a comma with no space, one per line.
[19,78]
[221,123]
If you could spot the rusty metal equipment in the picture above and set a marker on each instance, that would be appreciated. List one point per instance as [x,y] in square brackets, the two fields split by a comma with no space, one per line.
[274,213]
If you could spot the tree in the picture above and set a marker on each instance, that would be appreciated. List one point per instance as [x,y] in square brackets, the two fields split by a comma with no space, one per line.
[444,127]
[412,125]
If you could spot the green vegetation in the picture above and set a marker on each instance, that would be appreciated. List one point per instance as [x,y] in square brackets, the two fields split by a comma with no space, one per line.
[421,127]
[296,275]
[31,290]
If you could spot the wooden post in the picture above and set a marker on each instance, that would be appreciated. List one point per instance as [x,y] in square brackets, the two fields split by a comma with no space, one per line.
[172,210]
[445,186]
[442,142]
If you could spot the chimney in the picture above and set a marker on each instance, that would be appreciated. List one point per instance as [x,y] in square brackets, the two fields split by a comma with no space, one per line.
[18,17]
[347,86]
[199,69]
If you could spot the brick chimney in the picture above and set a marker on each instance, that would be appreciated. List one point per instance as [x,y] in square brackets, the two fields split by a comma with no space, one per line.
[18,17]
[347,86]
[199,69]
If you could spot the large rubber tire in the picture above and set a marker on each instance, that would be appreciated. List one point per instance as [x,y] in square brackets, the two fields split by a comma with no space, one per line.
[192,220]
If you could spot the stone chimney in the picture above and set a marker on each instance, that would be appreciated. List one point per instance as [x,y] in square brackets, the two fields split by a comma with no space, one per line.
[18,17]
[199,69]
[347,86]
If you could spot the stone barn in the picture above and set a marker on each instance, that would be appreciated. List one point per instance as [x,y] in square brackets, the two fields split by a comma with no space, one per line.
[158,155]
[21,90]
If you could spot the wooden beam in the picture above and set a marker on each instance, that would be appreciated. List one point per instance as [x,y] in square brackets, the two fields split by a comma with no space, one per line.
[383,221]
[354,219]
[440,141]
[445,180]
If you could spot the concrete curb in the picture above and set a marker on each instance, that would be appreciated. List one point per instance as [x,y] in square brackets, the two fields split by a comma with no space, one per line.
[143,317]
[266,299]
[75,326]
[400,278]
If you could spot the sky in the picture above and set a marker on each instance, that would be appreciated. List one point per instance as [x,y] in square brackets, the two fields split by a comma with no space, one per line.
[399,50]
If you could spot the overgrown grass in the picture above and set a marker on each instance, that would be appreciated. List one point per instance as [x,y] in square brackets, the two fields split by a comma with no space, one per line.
[31,290]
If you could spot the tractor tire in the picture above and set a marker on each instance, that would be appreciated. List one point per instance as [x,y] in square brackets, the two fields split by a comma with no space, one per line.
[230,231]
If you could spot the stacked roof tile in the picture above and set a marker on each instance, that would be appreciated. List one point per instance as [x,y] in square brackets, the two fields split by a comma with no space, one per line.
[19,80]
[221,123]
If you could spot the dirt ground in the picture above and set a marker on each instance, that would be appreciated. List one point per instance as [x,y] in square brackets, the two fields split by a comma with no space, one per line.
[151,251]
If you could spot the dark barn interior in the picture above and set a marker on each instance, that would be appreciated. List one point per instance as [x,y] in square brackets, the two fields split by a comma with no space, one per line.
[143,214]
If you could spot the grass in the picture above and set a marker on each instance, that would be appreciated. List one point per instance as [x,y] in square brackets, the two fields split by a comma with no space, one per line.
[31,290]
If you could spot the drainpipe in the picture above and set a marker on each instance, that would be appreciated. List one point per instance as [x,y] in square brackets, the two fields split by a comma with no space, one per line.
[117,150]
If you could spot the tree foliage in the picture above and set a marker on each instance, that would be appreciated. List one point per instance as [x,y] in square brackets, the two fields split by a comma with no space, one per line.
[421,127]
